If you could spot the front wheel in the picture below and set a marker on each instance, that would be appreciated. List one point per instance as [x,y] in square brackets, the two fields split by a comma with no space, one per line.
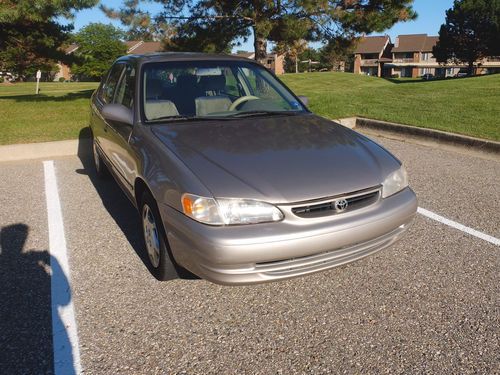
[161,264]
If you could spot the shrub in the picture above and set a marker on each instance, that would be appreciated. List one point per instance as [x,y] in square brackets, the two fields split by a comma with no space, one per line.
[1,79]
[62,79]
[395,76]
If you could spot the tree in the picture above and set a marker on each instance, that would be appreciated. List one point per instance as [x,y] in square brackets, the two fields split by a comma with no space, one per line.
[26,47]
[471,32]
[31,36]
[278,21]
[138,22]
[337,51]
[98,46]
[309,59]
[292,50]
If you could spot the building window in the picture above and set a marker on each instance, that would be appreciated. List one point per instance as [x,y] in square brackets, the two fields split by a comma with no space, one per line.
[269,62]
[425,56]
[406,72]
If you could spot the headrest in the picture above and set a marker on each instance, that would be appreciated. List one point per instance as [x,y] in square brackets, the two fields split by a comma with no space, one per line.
[213,83]
[154,89]
[186,80]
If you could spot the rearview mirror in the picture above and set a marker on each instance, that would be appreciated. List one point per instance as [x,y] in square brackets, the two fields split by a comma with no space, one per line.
[303,99]
[117,113]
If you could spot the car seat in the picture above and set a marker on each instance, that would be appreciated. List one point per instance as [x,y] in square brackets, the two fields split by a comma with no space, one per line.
[155,106]
[214,99]
[186,91]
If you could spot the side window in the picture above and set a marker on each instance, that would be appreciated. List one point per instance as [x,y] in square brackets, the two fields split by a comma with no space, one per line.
[232,85]
[259,85]
[126,89]
[108,89]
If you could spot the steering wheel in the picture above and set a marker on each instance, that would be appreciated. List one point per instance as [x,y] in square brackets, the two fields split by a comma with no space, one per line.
[241,100]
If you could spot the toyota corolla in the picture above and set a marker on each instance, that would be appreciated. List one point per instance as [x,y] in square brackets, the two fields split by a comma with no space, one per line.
[234,178]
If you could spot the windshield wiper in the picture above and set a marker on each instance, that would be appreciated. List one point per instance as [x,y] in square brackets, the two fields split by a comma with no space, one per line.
[181,118]
[264,113]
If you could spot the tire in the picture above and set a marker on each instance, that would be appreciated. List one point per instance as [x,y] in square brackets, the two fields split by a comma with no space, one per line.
[99,165]
[161,263]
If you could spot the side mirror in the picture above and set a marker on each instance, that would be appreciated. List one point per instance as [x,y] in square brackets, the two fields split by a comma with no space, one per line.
[303,99]
[118,113]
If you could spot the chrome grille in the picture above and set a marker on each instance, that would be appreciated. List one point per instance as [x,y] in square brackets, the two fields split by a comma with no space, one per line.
[331,206]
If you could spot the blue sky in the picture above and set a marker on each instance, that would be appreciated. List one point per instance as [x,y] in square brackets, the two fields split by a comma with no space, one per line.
[431,14]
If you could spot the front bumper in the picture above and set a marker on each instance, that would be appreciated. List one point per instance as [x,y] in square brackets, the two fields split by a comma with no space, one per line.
[271,251]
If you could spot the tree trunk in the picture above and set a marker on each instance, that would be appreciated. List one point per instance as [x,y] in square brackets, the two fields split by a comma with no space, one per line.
[296,64]
[260,46]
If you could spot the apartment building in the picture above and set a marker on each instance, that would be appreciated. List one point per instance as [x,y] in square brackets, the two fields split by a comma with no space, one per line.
[371,54]
[410,56]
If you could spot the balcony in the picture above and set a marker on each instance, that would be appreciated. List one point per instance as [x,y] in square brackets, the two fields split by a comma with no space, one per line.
[493,59]
[369,62]
[403,60]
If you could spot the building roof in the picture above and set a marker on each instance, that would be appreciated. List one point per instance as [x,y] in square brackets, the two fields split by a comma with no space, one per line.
[71,48]
[131,44]
[139,47]
[248,55]
[372,44]
[430,42]
[414,43]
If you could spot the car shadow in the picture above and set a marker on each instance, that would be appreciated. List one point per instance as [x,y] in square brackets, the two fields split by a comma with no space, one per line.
[116,203]
[27,321]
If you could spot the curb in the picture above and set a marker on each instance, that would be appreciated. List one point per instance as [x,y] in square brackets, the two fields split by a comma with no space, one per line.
[39,150]
[428,135]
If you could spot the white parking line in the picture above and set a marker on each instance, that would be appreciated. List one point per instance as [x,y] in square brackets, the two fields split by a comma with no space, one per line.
[64,332]
[461,227]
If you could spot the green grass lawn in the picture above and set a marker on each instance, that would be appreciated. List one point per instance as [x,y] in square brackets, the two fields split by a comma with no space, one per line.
[59,112]
[469,106]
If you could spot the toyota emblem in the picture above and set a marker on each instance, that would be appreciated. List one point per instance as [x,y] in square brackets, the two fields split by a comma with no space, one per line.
[341,205]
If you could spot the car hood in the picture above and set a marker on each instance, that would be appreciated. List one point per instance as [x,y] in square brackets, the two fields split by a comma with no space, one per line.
[279,159]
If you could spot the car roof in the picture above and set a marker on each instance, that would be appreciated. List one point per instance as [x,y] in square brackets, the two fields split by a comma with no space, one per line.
[180,56]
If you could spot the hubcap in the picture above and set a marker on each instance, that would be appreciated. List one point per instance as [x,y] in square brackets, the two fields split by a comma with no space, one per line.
[151,236]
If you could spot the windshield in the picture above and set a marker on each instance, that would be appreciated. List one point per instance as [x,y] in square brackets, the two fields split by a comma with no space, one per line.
[207,89]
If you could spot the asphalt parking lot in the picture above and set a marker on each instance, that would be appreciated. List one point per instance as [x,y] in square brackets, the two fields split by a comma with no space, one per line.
[429,304]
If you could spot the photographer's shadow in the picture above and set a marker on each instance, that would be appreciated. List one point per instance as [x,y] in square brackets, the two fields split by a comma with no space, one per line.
[28,322]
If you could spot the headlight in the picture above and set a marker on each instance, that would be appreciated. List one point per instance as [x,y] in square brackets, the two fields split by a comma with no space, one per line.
[395,182]
[223,211]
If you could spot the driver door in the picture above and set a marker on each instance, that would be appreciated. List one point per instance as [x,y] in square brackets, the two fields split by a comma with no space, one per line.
[118,148]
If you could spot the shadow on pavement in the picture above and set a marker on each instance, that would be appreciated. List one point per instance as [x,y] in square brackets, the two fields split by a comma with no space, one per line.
[116,203]
[26,342]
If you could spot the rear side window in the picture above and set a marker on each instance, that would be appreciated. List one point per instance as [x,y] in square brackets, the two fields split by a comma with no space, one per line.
[126,89]
[108,89]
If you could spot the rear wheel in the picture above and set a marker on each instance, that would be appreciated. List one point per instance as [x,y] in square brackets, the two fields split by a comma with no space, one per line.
[100,167]
[161,263]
